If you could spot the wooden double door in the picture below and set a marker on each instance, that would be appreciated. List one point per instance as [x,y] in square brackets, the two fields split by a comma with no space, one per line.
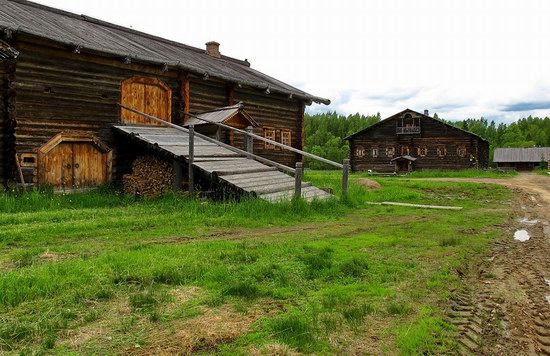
[148,95]
[74,164]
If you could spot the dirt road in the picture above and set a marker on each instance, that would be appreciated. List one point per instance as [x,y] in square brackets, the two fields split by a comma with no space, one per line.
[505,308]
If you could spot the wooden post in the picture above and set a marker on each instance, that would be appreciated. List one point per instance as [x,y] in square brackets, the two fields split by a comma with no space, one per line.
[191,158]
[345,174]
[18,165]
[177,168]
[249,140]
[298,181]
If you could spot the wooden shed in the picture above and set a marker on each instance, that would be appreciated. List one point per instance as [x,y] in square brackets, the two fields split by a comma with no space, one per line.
[410,141]
[522,159]
[63,76]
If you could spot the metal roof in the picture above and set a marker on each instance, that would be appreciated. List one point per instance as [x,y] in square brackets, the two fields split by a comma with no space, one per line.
[535,154]
[86,34]
[221,115]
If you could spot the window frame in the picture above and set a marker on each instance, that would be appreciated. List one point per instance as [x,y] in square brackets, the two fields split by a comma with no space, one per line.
[390,151]
[359,151]
[286,132]
[267,145]
[461,151]
[441,150]
[422,151]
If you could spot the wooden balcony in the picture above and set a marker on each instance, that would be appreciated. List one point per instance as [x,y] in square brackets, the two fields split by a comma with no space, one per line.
[408,130]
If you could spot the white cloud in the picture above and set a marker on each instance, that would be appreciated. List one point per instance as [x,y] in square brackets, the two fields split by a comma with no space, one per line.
[470,58]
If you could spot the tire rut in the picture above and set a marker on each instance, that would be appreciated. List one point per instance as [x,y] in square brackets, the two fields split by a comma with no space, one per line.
[504,306]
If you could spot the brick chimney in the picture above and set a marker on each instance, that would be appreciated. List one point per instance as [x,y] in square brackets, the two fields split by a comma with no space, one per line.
[213,49]
[426,112]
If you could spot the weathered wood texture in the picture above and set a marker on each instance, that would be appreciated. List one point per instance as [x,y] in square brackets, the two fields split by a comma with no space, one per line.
[55,90]
[278,113]
[73,162]
[225,169]
[437,146]
[3,114]
[7,97]
[149,95]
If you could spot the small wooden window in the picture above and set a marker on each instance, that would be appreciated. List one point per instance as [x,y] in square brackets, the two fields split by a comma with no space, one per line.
[461,151]
[422,151]
[286,137]
[27,159]
[270,135]
[405,150]
[390,151]
[374,152]
[359,151]
[441,150]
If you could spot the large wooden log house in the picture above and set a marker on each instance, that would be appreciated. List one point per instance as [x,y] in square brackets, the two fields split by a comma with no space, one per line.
[63,75]
[410,141]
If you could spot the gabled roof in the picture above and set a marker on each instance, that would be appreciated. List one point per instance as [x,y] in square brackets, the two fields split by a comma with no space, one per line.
[221,115]
[534,154]
[99,37]
[405,157]
[416,112]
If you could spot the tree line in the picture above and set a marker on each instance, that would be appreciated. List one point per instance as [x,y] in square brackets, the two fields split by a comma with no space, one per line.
[526,132]
[325,133]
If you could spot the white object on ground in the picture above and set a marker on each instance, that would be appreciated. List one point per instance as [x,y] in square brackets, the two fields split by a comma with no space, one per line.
[528,222]
[521,235]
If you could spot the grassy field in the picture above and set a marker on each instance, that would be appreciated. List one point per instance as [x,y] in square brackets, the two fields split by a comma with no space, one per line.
[100,273]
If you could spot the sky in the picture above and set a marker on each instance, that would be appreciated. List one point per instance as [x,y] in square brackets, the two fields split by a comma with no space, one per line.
[457,58]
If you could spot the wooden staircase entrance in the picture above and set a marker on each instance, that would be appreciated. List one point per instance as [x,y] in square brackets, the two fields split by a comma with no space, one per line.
[227,166]
[223,166]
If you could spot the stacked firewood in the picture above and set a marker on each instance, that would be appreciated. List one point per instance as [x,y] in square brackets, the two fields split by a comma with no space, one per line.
[151,176]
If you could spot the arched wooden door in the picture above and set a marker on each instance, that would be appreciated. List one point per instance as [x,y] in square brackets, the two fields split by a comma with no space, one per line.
[149,95]
[72,161]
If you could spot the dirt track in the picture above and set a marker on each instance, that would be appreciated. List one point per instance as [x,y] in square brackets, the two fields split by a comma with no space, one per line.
[505,310]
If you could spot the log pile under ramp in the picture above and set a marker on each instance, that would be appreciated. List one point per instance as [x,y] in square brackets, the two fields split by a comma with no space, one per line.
[223,166]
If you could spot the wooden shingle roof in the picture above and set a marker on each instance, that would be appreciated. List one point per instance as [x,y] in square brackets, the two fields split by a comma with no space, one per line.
[95,36]
[534,154]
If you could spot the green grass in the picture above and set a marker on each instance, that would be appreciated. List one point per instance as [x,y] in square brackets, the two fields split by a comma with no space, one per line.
[100,273]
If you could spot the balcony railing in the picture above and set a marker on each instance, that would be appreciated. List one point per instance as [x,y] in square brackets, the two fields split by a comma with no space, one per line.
[408,130]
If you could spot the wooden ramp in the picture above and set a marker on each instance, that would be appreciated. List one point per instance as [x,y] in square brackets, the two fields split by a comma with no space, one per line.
[222,165]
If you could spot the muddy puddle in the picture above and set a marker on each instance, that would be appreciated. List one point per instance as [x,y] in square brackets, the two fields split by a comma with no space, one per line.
[521,235]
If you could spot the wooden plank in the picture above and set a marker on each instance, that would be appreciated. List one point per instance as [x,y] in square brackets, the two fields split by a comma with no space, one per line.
[230,171]
[440,207]
[259,182]
[205,151]
[272,188]
[253,175]
[308,193]
[245,179]
[234,162]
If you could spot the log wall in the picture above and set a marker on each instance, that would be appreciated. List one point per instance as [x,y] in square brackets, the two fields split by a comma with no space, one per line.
[7,107]
[279,113]
[433,134]
[3,114]
[55,90]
